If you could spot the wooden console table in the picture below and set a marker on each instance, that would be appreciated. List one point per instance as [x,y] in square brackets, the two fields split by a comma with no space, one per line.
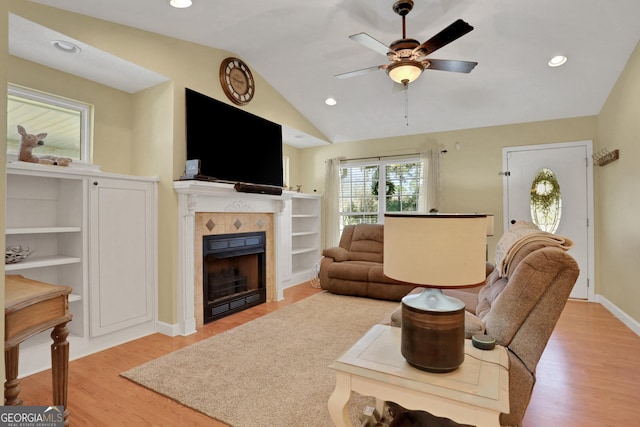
[475,393]
[31,307]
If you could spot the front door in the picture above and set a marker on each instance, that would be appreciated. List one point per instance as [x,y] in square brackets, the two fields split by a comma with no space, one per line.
[571,165]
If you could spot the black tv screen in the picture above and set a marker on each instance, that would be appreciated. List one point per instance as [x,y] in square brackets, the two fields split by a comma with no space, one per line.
[232,144]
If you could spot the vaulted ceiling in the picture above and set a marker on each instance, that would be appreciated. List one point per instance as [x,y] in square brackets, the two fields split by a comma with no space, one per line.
[298,47]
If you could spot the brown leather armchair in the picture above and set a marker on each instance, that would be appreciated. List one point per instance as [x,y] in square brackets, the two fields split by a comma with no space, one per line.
[355,266]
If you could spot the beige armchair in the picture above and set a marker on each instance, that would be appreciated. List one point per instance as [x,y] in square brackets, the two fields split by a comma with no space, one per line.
[520,310]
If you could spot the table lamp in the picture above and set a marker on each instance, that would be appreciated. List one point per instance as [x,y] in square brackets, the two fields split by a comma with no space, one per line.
[440,251]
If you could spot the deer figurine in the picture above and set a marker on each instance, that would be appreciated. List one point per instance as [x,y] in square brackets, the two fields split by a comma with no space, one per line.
[29,142]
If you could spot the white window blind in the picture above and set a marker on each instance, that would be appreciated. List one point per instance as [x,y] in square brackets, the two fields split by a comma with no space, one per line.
[370,188]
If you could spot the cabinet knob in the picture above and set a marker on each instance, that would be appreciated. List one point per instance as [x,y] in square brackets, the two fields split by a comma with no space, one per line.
[95,182]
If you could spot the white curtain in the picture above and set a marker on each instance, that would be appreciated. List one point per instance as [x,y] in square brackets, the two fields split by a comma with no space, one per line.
[431,184]
[331,203]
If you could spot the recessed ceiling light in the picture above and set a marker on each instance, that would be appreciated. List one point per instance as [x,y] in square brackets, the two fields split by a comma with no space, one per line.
[180,4]
[66,47]
[557,61]
[330,101]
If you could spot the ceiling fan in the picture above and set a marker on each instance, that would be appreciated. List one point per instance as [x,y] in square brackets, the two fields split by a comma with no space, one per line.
[407,56]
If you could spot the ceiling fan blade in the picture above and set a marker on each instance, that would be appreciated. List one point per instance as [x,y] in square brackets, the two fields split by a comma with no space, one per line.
[451,65]
[367,41]
[358,72]
[444,37]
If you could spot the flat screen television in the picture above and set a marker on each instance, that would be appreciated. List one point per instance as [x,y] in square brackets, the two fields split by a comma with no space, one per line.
[232,145]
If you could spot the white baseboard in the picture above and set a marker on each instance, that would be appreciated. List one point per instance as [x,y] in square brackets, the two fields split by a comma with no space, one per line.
[35,353]
[631,323]
[168,329]
[298,278]
[174,330]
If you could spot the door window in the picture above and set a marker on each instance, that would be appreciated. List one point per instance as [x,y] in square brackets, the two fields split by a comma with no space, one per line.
[546,201]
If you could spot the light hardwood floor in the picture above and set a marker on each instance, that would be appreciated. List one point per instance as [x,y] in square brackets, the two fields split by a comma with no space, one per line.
[588,376]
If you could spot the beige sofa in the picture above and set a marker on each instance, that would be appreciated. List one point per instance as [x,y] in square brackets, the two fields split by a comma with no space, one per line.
[520,308]
[355,266]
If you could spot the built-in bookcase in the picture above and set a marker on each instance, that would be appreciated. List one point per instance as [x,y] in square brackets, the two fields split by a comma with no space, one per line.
[305,236]
[93,232]
[46,215]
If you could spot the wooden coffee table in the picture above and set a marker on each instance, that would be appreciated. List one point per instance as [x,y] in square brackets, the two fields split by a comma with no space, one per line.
[475,393]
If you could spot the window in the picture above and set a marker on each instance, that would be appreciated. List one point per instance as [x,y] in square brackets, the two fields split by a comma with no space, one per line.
[65,121]
[364,200]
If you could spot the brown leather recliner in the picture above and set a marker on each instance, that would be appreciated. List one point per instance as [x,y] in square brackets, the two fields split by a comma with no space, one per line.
[355,266]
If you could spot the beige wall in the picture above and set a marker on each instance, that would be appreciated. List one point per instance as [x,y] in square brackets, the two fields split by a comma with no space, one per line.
[152,155]
[470,180]
[618,193]
[293,154]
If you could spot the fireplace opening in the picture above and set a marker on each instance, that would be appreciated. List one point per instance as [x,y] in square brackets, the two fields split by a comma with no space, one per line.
[234,273]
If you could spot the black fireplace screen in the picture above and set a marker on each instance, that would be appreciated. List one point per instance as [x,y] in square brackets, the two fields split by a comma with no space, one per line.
[234,273]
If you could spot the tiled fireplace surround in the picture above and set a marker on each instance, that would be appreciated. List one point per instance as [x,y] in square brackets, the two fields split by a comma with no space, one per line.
[207,208]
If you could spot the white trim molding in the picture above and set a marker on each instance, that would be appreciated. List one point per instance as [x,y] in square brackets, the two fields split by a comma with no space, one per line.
[630,322]
[200,196]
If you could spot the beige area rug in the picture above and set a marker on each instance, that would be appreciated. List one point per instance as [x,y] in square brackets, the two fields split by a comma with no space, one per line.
[272,371]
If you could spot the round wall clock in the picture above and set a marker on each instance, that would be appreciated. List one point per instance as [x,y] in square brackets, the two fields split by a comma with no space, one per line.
[237,81]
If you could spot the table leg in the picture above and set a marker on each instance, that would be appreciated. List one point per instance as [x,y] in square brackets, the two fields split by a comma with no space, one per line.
[12,384]
[339,399]
[60,367]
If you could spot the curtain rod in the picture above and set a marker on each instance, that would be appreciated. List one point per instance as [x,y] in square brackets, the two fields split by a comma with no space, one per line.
[386,157]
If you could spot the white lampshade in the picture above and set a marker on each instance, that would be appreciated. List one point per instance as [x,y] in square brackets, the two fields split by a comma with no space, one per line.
[439,251]
[405,71]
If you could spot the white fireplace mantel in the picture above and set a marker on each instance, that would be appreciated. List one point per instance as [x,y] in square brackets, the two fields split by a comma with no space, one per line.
[202,196]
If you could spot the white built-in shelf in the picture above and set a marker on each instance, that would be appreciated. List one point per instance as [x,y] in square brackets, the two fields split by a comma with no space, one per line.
[304,233]
[303,251]
[44,261]
[42,230]
[305,236]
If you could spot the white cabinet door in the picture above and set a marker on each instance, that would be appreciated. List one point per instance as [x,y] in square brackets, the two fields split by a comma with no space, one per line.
[122,253]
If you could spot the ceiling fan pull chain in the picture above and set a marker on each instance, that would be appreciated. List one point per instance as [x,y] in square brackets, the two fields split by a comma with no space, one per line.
[406,103]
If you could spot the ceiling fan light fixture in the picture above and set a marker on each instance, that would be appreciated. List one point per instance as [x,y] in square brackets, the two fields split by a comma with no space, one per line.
[405,72]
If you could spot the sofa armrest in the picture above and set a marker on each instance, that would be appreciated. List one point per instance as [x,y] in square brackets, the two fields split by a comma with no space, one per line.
[338,254]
